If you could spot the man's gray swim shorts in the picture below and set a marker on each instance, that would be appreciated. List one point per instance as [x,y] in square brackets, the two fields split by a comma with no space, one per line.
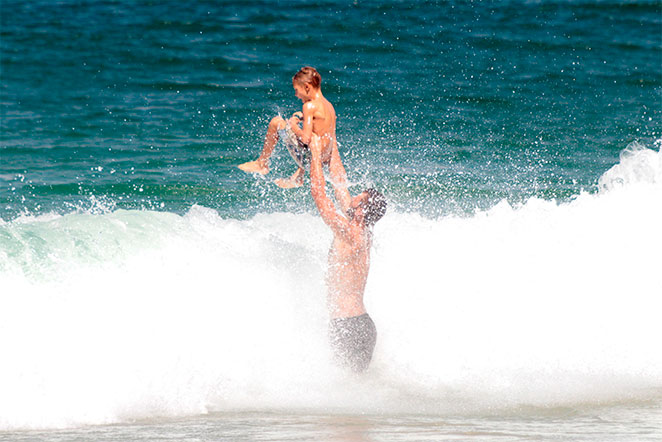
[353,341]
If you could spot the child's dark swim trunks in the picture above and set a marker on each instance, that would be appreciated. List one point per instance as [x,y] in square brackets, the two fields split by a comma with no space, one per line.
[298,150]
[353,340]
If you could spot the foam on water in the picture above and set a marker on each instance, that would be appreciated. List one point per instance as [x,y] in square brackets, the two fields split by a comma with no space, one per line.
[132,314]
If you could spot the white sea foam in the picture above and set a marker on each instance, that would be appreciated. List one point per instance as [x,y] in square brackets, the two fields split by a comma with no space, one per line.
[638,165]
[132,314]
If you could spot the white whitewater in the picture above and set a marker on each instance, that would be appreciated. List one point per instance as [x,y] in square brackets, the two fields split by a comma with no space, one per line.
[132,314]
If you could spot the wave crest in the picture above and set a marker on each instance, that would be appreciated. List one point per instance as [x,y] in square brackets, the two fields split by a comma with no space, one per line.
[637,165]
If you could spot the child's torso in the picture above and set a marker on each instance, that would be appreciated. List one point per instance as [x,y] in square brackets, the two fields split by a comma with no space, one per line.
[324,119]
[324,126]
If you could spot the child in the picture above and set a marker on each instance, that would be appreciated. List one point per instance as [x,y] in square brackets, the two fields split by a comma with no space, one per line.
[319,126]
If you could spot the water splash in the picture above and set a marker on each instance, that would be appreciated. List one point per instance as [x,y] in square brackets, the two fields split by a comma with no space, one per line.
[116,316]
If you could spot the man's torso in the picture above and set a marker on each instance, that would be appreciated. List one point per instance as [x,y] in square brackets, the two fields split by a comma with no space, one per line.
[347,276]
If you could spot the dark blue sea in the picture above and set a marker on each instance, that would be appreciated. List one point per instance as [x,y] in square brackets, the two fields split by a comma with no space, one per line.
[148,283]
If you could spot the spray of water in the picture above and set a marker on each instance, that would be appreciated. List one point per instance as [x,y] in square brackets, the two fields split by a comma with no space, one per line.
[131,314]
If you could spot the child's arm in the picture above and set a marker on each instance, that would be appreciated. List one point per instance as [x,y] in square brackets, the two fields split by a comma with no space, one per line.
[306,133]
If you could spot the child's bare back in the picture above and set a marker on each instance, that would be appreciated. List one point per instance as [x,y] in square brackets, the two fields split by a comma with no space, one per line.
[323,125]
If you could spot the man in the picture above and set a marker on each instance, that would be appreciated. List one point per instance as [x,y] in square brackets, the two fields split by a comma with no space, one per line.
[351,330]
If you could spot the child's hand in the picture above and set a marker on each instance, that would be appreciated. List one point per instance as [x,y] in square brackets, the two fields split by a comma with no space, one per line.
[298,115]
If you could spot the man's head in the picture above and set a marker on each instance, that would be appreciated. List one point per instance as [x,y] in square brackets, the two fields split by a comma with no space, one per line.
[306,82]
[368,207]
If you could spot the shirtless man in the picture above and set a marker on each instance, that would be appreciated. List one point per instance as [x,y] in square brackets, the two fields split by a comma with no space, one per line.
[351,331]
[319,120]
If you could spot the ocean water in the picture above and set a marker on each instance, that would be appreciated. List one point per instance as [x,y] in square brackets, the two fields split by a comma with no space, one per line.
[150,290]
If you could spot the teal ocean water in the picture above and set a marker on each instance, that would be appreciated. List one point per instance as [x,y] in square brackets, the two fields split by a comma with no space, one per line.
[448,106]
[149,284]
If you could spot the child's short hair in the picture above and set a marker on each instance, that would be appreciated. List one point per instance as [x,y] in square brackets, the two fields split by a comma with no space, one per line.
[375,206]
[308,75]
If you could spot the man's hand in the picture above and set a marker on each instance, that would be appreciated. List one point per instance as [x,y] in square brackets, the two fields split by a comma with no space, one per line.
[338,224]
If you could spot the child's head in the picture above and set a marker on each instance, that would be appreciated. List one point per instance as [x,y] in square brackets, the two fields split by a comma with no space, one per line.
[308,76]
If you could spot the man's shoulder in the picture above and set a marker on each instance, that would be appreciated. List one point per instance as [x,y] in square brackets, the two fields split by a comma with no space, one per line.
[352,234]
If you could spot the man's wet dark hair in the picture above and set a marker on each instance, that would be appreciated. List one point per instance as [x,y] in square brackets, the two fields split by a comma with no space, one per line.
[375,206]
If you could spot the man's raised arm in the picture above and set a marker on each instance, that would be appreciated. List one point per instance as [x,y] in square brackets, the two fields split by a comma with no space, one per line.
[327,209]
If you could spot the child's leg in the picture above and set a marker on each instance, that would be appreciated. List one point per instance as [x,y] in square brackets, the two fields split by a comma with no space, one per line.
[261,165]
[339,179]
[295,180]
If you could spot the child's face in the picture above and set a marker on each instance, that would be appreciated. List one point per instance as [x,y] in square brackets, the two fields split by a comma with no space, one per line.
[302,91]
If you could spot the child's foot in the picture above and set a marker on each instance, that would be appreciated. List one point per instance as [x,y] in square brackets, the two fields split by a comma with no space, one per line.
[256,166]
[288,183]
[295,180]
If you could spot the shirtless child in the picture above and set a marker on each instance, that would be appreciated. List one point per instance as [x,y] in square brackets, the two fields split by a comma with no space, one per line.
[319,123]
